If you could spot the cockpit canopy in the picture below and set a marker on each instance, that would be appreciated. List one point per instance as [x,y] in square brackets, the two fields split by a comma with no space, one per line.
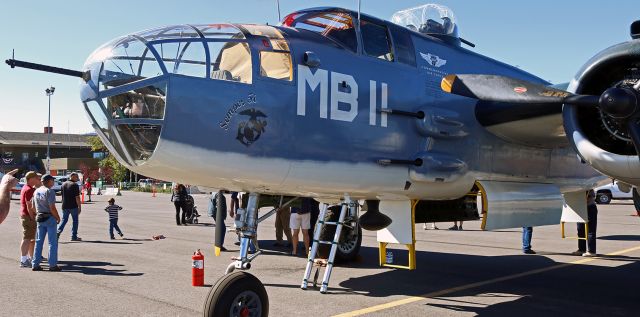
[431,19]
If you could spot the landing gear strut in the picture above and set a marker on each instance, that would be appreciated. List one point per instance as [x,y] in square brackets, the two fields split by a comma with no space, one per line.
[240,294]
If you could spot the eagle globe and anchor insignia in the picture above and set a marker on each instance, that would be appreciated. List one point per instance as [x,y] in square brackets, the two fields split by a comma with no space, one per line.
[249,131]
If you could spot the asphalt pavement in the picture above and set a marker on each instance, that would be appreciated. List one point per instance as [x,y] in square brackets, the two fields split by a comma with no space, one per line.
[459,273]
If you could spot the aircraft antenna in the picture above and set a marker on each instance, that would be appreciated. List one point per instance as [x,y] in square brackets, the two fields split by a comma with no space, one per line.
[278,5]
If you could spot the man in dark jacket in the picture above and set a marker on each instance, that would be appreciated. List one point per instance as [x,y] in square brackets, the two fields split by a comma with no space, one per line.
[71,206]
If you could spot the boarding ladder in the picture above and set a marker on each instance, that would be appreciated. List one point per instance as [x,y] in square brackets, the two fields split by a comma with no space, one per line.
[316,243]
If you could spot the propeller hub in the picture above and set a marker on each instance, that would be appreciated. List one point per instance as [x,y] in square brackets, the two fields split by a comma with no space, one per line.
[619,103]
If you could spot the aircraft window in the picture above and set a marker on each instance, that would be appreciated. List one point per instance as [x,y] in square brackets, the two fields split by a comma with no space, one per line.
[170,32]
[275,37]
[221,31]
[146,102]
[139,140]
[125,60]
[336,26]
[276,65]
[183,58]
[99,118]
[405,52]
[230,61]
[375,40]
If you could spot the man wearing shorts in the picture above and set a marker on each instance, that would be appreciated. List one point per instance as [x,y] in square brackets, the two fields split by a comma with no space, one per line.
[301,219]
[28,219]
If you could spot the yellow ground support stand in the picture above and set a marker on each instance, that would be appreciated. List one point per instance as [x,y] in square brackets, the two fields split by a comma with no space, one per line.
[481,192]
[382,246]
[586,231]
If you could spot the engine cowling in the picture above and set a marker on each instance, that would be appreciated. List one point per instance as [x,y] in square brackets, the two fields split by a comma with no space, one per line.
[600,139]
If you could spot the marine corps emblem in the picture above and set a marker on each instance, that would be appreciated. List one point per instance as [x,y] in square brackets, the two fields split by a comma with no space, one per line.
[250,131]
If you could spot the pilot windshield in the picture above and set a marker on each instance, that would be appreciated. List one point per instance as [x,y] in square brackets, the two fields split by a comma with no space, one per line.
[432,19]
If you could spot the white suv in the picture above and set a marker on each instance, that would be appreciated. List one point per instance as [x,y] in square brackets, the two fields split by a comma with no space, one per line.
[604,194]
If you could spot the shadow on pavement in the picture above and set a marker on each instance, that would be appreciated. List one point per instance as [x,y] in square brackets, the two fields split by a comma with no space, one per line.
[590,289]
[123,241]
[94,268]
[623,237]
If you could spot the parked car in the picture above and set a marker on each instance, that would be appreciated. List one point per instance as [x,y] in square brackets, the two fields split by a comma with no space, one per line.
[59,180]
[605,194]
[145,182]
[15,191]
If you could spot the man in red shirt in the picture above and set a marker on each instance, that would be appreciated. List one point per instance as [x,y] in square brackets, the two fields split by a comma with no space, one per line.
[28,219]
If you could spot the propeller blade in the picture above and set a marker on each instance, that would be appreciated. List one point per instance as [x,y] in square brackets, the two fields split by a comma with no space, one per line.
[510,90]
[221,210]
[634,133]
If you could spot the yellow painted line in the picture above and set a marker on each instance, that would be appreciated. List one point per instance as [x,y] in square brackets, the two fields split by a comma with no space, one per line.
[414,299]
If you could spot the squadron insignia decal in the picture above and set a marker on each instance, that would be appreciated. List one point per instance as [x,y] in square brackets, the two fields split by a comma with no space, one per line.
[250,131]
[433,60]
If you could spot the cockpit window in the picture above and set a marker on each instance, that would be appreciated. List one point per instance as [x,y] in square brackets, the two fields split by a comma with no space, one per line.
[230,61]
[375,40]
[220,31]
[336,26]
[432,19]
[275,37]
[275,58]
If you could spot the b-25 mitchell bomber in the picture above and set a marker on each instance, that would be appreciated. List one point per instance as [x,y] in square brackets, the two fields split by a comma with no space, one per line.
[354,110]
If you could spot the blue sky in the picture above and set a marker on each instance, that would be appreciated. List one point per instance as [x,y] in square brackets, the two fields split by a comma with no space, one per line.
[551,39]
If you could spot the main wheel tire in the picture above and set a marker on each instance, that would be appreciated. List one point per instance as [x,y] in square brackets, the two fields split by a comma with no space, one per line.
[350,239]
[603,198]
[237,294]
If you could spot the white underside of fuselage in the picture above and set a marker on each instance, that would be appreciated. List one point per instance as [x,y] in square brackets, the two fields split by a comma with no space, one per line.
[179,162]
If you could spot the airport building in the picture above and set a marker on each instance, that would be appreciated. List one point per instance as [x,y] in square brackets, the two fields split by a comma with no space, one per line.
[28,151]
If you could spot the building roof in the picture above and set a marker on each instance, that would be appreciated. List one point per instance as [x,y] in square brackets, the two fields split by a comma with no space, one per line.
[40,139]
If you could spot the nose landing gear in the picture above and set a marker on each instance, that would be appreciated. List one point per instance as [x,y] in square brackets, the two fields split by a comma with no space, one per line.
[238,294]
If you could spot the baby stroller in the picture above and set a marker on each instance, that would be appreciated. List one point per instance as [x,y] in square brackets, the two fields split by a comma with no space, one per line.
[191,210]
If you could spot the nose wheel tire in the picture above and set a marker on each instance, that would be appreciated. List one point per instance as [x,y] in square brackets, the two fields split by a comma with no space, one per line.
[238,294]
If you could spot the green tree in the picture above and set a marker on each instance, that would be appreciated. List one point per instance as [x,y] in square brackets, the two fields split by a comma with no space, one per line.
[111,168]
[116,170]
[96,144]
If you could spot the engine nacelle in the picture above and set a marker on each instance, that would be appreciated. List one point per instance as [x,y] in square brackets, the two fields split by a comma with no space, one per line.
[603,141]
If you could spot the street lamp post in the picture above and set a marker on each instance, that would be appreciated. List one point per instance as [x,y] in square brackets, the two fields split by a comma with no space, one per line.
[49,91]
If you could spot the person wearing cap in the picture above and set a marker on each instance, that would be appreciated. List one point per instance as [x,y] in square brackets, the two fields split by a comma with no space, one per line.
[71,206]
[47,217]
[87,188]
[28,219]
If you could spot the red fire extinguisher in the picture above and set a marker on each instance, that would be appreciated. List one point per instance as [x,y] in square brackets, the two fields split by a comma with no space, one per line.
[197,269]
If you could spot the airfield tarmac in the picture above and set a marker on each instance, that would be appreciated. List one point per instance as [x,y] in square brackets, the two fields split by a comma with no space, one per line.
[459,273]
